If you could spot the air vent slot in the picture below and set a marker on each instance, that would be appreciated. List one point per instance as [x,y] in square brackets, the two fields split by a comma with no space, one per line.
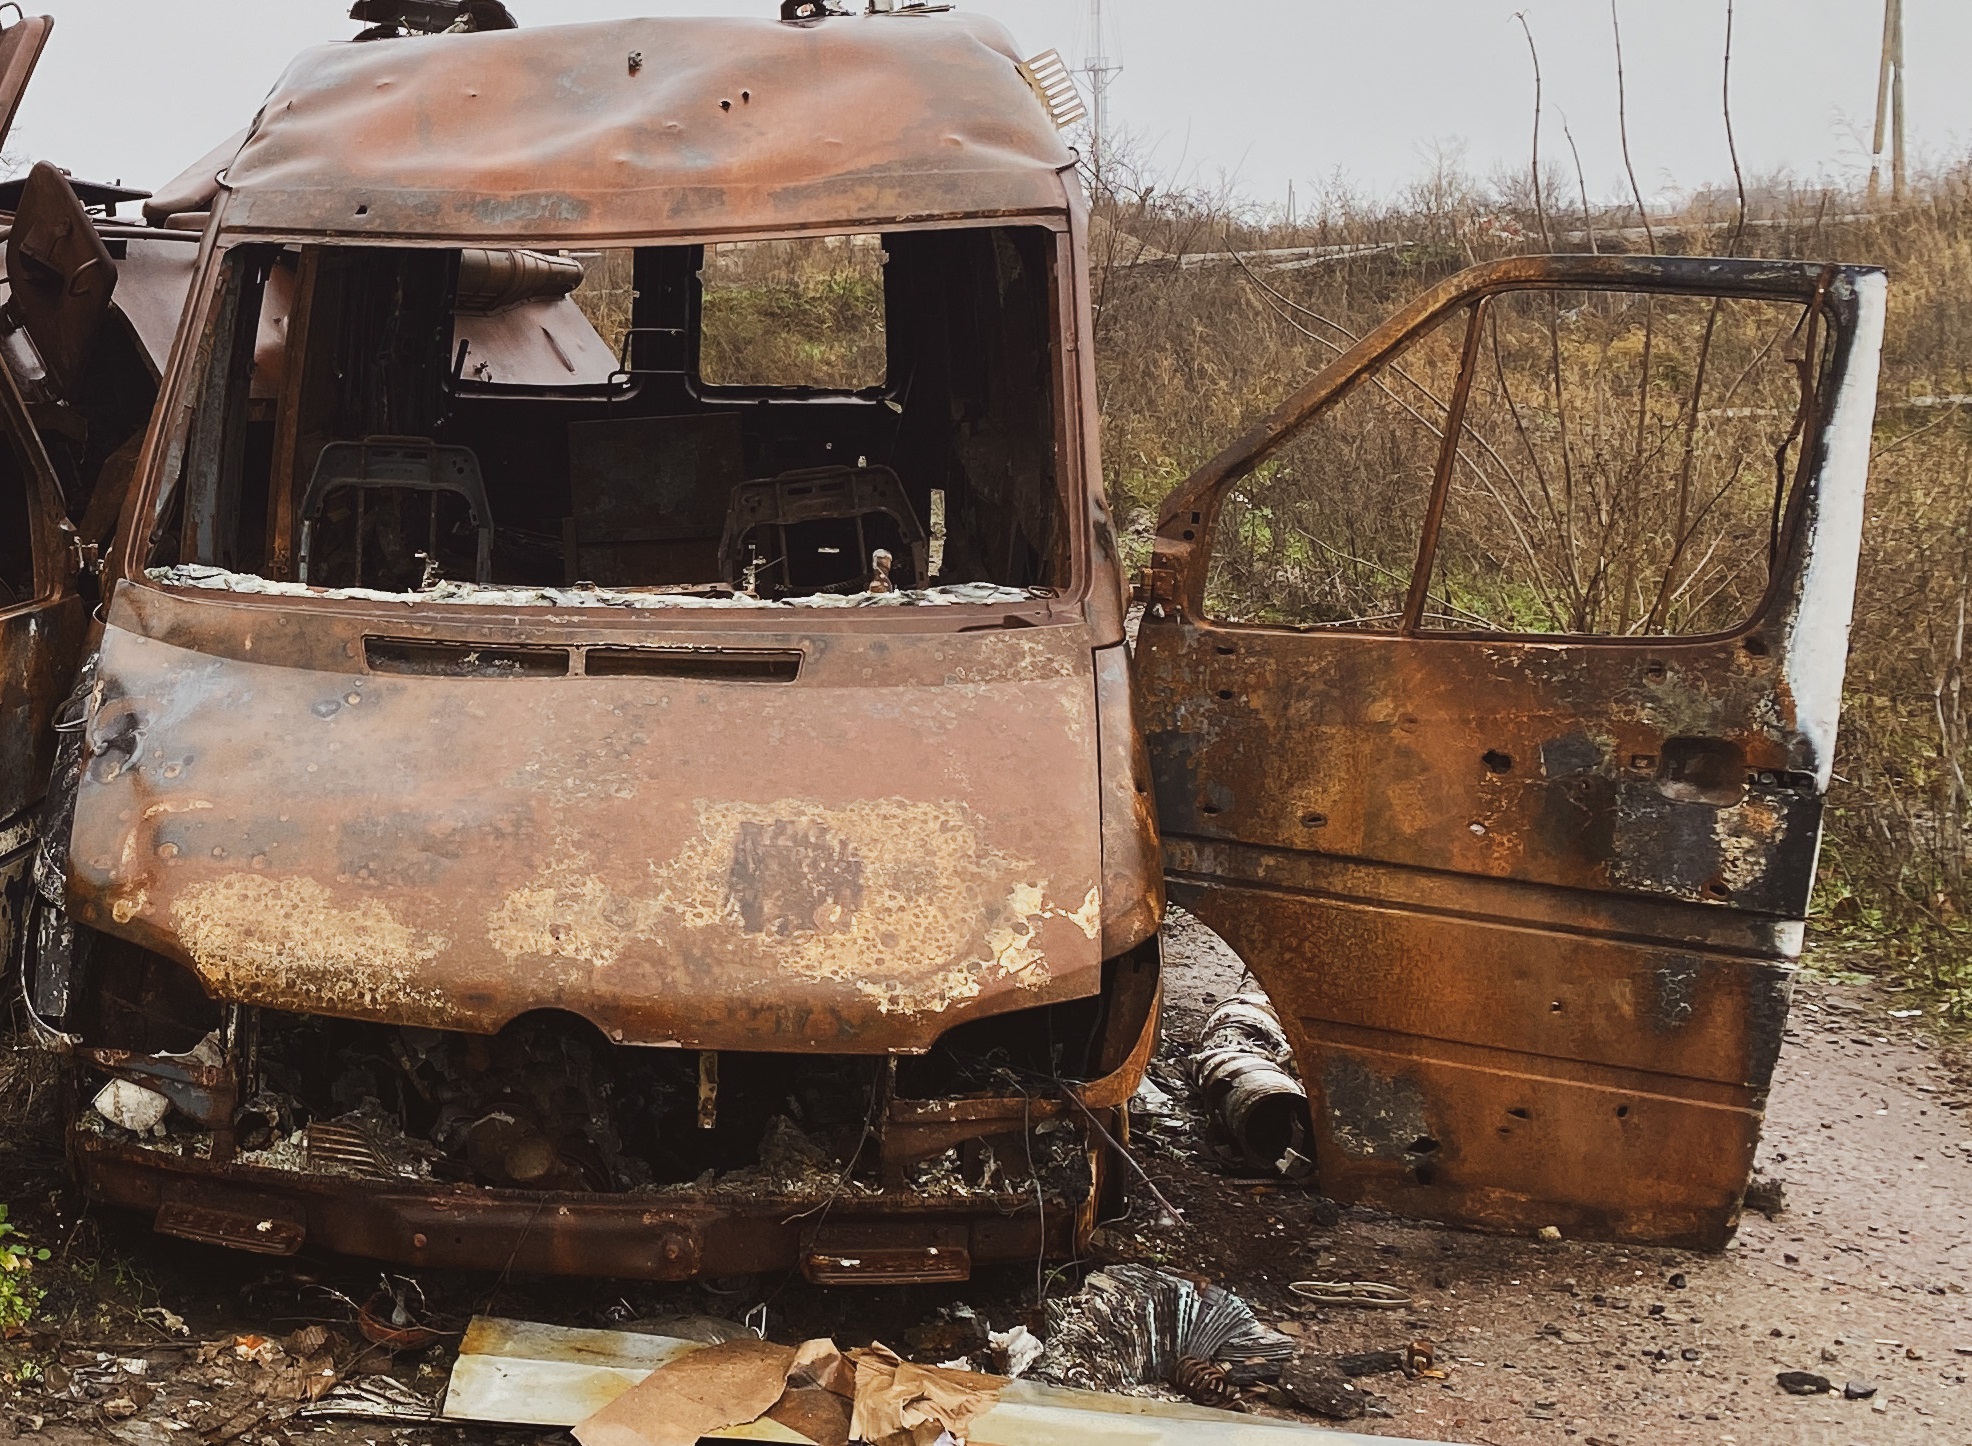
[424,658]
[1052,81]
[730,665]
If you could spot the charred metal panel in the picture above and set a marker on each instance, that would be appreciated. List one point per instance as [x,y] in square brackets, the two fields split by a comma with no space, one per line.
[1527,906]
[41,636]
[153,278]
[662,1238]
[556,134]
[1132,866]
[905,838]
[1520,760]
[38,646]
[21,45]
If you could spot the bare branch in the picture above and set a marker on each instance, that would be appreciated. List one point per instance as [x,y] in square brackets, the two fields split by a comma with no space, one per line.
[1540,202]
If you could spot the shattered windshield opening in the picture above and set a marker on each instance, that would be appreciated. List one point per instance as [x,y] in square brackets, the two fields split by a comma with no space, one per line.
[852,421]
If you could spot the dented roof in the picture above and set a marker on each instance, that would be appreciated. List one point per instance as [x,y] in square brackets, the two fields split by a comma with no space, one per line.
[652,127]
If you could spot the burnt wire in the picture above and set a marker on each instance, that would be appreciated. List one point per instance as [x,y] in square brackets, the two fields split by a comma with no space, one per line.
[1057,1086]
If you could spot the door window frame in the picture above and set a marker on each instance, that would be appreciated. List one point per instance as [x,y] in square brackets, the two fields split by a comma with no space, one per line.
[1187,523]
[49,530]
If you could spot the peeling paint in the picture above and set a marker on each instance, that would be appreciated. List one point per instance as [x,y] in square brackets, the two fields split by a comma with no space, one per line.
[927,886]
[247,932]
[1746,837]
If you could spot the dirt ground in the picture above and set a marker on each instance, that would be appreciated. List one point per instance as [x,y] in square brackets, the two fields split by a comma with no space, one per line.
[1863,1277]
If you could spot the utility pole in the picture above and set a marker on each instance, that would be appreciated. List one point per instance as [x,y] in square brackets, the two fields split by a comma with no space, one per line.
[1100,73]
[1890,105]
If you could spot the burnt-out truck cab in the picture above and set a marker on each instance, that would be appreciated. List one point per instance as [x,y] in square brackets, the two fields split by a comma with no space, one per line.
[609,744]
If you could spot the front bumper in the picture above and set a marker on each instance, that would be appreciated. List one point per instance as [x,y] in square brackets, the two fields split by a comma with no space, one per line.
[924,1210]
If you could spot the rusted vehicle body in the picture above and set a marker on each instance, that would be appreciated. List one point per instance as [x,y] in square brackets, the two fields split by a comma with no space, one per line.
[553,799]
[650,896]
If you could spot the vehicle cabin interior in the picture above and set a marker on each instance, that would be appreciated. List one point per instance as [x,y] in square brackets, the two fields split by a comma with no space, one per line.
[774,420]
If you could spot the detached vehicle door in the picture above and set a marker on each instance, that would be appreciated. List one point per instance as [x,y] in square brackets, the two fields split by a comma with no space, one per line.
[42,621]
[1491,687]
[41,616]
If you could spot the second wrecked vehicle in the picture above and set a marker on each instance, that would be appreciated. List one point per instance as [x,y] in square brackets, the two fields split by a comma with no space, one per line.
[601,758]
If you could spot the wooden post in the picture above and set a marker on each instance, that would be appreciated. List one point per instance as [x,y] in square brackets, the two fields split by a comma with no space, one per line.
[1897,109]
[1889,105]
[1882,99]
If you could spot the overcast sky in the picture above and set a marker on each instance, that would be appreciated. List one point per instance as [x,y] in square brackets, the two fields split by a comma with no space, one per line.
[1265,92]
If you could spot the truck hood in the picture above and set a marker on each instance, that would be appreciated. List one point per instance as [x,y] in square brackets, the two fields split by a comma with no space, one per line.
[427,822]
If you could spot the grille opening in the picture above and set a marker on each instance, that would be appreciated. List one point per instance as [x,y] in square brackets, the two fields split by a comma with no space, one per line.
[728,665]
[428,659]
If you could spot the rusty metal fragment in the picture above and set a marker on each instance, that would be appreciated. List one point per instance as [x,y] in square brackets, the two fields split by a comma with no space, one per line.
[1243,1067]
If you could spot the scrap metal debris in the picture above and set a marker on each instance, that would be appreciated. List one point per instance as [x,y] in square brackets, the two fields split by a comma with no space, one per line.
[1362,1294]
[1133,1326]
[1243,1066]
[390,1320]
[372,1398]
[668,1392]
[964,594]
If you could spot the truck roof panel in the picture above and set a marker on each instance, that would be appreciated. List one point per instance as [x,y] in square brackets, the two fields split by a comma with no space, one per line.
[651,127]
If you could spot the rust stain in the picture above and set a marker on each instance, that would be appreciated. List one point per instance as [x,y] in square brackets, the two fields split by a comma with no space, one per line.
[293,935]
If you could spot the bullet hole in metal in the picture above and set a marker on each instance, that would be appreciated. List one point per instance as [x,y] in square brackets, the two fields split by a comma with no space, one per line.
[1498,762]
[1314,820]
[1622,1112]
[1655,672]
[1521,1112]
[1757,646]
